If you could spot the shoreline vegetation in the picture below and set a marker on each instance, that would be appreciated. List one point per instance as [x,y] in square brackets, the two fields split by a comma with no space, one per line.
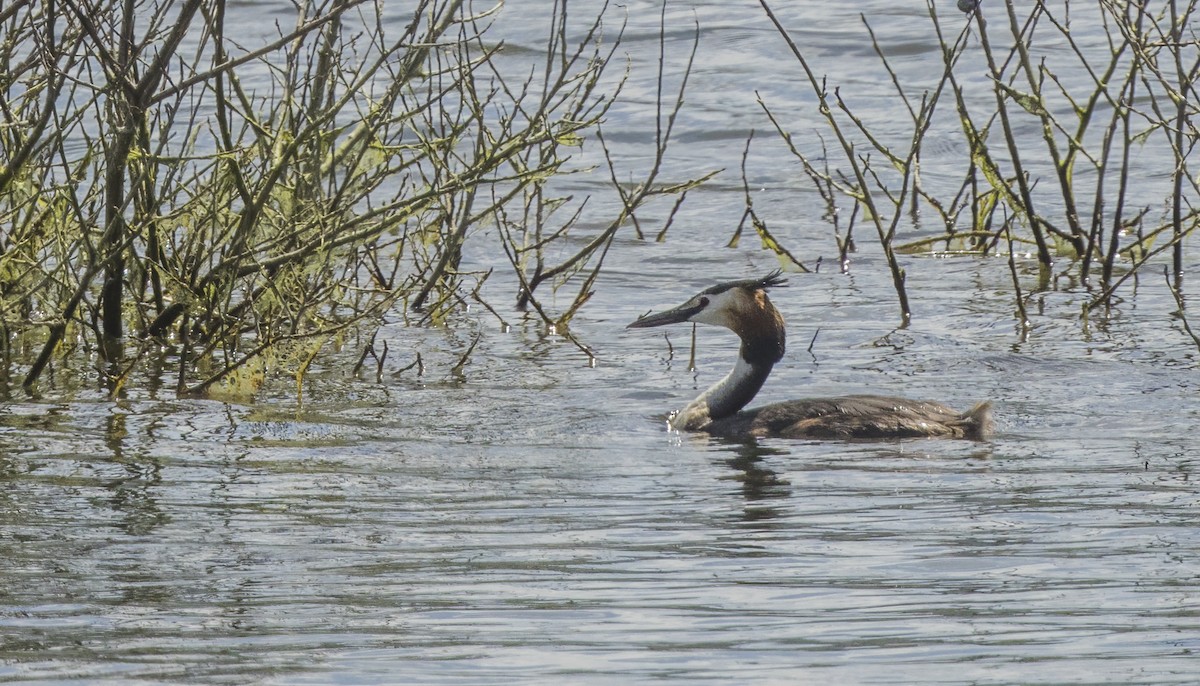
[152,199]
[227,213]
[1077,213]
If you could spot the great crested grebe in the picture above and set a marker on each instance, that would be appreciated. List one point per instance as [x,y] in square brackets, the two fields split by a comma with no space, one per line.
[744,308]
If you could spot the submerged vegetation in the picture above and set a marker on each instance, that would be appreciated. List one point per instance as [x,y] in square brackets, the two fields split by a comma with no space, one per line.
[227,204]
[1048,169]
[164,187]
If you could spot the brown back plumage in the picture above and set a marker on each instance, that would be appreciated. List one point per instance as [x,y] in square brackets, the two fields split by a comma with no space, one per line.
[856,416]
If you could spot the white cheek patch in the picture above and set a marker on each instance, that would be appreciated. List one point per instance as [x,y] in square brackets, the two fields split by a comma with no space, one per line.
[720,309]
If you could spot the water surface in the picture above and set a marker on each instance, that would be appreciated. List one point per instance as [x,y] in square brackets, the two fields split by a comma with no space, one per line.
[532,521]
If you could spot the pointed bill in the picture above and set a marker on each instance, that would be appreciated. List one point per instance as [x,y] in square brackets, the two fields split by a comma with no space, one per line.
[673,316]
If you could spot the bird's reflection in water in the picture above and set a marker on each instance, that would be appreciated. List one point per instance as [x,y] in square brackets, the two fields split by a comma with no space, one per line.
[760,484]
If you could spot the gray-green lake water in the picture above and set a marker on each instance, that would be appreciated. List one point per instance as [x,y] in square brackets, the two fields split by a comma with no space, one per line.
[534,522]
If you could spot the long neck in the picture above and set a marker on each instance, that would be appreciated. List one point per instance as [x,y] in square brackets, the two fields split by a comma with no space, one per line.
[726,397]
[737,389]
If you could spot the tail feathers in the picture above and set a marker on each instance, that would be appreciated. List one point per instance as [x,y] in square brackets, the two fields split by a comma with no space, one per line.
[976,422]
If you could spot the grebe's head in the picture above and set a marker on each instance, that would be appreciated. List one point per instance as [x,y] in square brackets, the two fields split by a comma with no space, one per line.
[731,305]
[741,306]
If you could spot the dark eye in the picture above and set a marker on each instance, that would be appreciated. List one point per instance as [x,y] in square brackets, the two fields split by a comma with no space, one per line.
[703,302]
